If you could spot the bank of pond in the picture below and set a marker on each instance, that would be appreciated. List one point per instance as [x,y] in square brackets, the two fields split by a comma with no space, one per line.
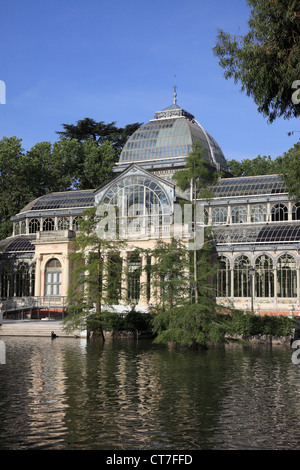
[207,328]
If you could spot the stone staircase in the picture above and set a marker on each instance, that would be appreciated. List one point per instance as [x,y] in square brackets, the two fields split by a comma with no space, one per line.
[36,328]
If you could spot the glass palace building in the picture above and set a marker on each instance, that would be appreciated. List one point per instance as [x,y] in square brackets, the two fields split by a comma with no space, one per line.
[255,224]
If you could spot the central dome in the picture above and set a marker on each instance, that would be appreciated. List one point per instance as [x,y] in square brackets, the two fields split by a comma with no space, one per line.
[167,139]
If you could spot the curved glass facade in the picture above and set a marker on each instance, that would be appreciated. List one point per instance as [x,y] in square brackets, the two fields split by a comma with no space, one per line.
[139,192]
[143,208]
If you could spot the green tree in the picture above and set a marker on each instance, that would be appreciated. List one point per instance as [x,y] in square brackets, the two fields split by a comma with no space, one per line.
[91,263]
[176,318]
[199,175]
[99,132]
[289,164]
[15,182]
[54,167]
[170,274]
[96,165]
[254,167]
[266,60]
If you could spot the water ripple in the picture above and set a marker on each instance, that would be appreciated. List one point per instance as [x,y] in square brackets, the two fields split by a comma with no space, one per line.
[66,394]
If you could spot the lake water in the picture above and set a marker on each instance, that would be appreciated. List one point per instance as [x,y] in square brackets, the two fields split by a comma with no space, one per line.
[126,395]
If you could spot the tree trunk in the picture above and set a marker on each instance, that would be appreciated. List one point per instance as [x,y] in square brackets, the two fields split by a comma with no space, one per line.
[195,251]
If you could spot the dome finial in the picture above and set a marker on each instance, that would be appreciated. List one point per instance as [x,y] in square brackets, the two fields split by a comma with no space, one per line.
[175,91]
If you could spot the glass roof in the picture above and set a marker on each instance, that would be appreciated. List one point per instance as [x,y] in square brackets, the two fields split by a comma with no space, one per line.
[283,233]
[62,200]
[249,185]
[17,244]
[171,134]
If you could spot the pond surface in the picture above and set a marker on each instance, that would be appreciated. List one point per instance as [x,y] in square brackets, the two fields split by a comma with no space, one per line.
[128,395]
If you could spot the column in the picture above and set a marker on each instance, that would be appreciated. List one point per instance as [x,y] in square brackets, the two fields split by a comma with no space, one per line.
[275,286]
[229,214]
[37,285]
[66,275]
[269,217]
[298,285]
[124,278]
[232,281]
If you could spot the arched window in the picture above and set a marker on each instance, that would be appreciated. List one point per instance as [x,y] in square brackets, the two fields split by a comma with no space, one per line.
[296,212]
[264,277]
[223,277]
[7,281]
[20,227]
[48,225]
[279,213]
[239,215]
[258,213]
[53,277]
[75,224]
[142,206]
[23,227]
[22,281]
[63,223]
[34,226]
[219,216]
[242,278]
[286,276]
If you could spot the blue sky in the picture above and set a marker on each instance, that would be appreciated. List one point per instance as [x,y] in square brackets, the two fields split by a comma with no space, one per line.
[115,60]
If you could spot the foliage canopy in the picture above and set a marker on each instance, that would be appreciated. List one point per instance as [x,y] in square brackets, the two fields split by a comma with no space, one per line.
[266,60]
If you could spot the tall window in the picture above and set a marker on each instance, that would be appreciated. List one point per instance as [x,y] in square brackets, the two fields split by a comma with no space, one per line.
[134,271]
[53,277]
[242,280]
[286,276]
[279,213]
[114,278]
[22,281]
[223,277]
[48,225]
[34,225]
[264,277]
[7,281]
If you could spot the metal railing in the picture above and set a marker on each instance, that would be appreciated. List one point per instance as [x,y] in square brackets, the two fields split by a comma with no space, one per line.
[19,303]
